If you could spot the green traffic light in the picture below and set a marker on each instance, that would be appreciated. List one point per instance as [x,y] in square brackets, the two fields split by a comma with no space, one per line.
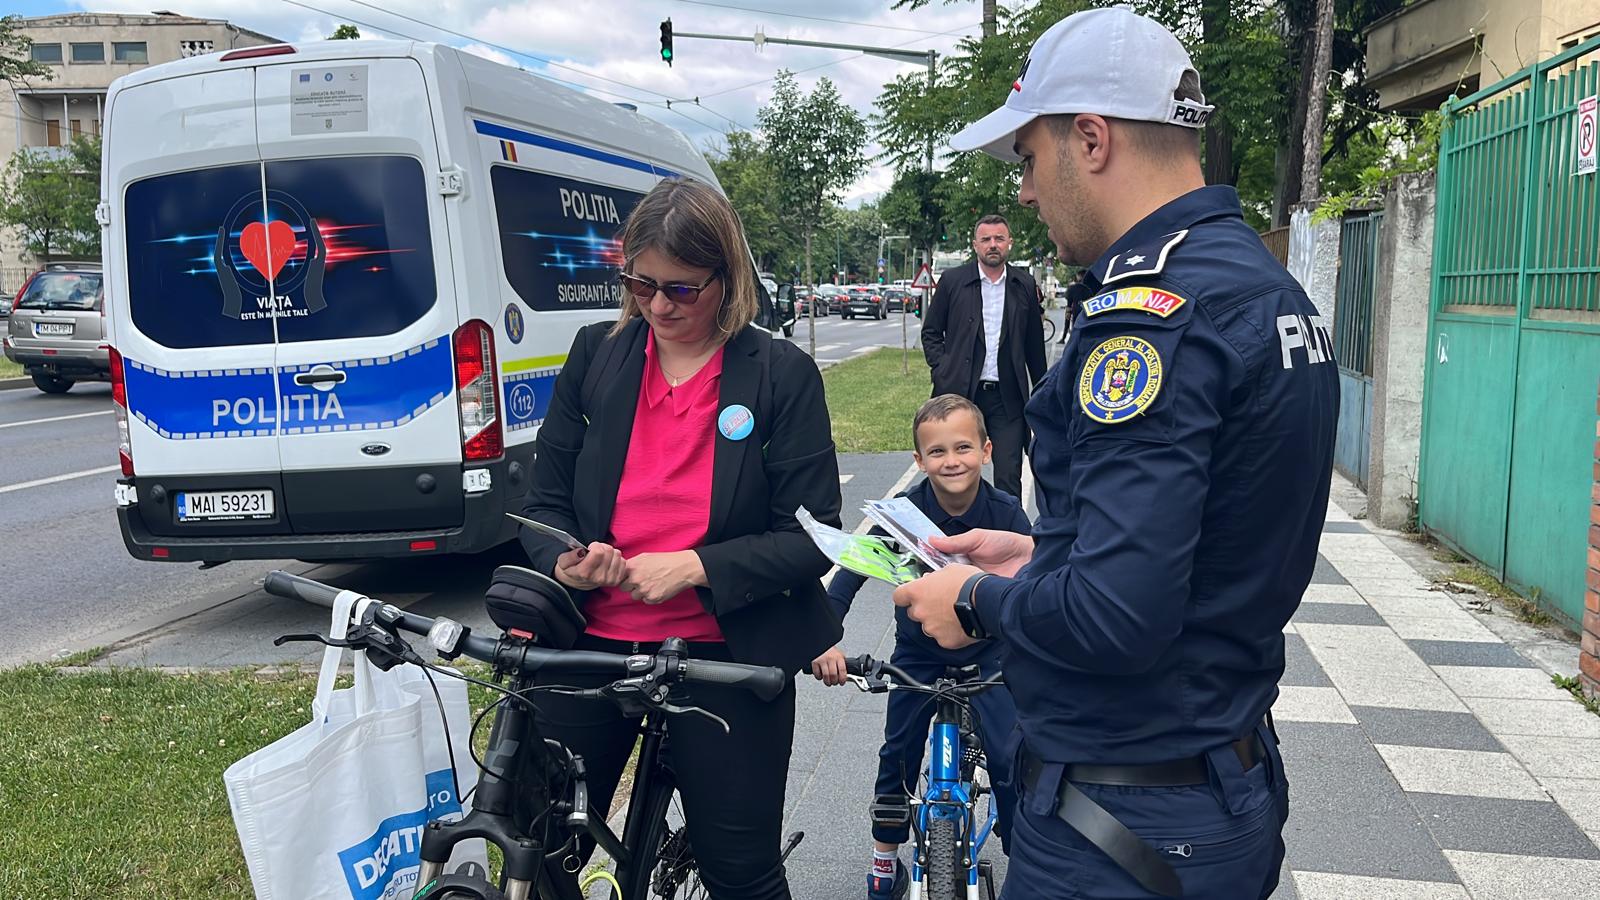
[666,54]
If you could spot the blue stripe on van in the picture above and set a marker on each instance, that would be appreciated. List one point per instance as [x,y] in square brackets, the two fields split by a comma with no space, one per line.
[560,146]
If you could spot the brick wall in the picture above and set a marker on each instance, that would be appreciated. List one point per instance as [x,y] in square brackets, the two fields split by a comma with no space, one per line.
[1589,655]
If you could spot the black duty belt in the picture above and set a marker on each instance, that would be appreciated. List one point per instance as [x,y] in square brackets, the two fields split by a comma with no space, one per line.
[988,385]
[1102,829]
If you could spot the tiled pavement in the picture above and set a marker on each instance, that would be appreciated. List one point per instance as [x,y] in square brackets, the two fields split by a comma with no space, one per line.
[1428,758]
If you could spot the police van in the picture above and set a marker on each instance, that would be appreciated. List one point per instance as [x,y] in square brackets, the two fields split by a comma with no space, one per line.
[341,278]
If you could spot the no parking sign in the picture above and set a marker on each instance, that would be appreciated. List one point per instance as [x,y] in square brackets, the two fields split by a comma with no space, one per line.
[1586,135]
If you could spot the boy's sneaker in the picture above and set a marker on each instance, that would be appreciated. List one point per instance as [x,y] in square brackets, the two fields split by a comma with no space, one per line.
[879,888]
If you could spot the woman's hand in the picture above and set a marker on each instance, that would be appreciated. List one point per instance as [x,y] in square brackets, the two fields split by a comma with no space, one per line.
[829,667]
[657,577]
[599,566]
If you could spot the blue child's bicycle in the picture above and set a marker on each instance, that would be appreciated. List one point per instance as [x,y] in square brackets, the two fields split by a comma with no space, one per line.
[945,822]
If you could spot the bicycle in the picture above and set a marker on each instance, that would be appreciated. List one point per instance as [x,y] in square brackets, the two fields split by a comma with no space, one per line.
[945,824]
[1049,328]
[532,798]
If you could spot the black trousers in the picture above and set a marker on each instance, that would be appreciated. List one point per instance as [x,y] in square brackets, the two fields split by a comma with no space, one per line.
[1009,432]
[732,785]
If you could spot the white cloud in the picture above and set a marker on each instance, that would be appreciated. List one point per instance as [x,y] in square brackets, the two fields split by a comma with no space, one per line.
[586,41]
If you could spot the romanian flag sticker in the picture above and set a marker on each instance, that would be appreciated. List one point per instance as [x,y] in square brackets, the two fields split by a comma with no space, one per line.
[508,150]
[1150,300]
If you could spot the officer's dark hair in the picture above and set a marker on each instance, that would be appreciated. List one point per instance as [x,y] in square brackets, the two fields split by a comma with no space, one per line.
[1155,140]
[991,219]
[941,408]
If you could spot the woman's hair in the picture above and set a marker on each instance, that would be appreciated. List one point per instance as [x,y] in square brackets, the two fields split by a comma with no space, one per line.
[692,223]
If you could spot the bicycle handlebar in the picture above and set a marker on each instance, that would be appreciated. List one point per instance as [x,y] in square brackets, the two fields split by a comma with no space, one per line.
[864,666]
[766,682]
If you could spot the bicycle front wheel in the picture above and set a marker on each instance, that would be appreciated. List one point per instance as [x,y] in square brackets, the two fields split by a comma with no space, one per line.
[943,868]
[665,867]
[459,887]
[1049,329]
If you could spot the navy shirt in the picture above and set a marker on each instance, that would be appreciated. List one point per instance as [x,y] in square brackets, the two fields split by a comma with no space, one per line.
[992,508]
[1182,449]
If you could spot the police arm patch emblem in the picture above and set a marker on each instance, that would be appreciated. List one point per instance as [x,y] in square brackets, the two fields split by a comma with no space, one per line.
[1150,300]
[1120,379]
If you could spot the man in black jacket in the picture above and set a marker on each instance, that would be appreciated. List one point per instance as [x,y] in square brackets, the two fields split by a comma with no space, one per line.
[983,336]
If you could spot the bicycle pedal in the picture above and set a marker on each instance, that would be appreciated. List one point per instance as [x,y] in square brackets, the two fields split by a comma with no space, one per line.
[889,810]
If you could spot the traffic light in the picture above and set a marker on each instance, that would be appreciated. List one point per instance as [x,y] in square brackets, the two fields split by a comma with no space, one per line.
[666,41]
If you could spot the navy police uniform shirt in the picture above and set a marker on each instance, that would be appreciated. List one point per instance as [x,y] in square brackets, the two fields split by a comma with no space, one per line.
[992,508]
[1182,449]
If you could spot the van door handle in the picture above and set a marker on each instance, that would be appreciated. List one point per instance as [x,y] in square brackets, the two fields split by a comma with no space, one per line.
[314,378]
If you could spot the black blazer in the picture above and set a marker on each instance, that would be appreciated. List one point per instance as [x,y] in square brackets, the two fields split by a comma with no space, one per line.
[763,570]
[952,334]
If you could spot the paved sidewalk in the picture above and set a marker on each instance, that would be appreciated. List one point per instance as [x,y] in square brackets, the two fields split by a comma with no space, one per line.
[1428,757]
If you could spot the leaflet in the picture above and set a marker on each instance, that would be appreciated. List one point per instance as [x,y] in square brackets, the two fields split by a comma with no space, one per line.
[867,555]
[912,528]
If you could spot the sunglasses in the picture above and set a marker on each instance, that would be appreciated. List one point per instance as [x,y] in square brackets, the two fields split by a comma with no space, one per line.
[644,289]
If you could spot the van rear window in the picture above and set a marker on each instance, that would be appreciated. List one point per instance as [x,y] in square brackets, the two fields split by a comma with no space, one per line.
[336,248]
[560,239]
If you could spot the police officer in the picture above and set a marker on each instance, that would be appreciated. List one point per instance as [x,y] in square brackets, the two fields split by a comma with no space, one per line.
[1182,452]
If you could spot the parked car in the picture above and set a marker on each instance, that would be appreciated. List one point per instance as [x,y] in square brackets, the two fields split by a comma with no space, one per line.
[865,300]
[57,327]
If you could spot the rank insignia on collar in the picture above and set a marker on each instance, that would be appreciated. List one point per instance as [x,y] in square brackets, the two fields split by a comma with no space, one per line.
[1147,259]
[1120,379]
[1150,300]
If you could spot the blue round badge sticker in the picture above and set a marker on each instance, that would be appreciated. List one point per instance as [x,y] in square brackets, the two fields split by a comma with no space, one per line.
[1120,380]
[736,422]
[514,326]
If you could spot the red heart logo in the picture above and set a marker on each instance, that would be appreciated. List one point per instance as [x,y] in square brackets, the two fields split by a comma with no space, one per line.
[268,246]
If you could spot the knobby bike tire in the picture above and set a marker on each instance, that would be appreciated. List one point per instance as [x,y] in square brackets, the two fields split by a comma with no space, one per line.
[943,866]
[460,887]
[665,866]
[1049,329]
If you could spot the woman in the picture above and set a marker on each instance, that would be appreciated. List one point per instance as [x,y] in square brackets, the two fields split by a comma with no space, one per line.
[679,443]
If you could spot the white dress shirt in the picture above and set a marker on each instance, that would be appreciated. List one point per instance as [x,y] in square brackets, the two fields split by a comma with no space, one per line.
[994,308]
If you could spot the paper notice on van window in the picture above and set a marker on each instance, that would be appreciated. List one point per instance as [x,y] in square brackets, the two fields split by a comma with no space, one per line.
[328,101]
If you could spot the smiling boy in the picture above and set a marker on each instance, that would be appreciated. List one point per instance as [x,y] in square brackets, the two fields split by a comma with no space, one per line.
[951,449]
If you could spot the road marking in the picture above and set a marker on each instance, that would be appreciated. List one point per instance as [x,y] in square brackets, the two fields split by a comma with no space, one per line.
[845,479]
[40,482]
[103,412]
[828,348]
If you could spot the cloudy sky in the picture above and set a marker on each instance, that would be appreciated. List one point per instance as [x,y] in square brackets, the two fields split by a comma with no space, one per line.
[610,48]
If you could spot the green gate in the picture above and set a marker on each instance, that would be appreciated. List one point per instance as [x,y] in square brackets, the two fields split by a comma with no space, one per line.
[1352,341]
[1514,337]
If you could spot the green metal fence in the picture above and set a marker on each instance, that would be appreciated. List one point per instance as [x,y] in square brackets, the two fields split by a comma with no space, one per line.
[1514,333]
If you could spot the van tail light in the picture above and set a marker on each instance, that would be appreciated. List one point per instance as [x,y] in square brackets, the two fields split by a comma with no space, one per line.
[119,402]
[253,52]
[478,392]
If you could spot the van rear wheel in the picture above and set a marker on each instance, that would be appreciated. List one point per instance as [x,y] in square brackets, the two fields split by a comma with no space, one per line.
[52,384]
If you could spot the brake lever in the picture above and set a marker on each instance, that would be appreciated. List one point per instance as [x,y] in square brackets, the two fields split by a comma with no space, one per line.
[384,649]
[680,710]
[868,685]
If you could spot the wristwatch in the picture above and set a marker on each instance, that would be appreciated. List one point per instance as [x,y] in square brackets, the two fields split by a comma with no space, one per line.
[966,613]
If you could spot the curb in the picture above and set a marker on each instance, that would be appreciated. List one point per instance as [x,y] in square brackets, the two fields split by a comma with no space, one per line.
[7,384]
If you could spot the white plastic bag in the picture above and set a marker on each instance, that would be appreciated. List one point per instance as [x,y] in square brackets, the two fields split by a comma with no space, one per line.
[337,808]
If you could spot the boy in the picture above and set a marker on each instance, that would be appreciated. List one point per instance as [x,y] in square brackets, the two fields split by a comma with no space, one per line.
[951,449]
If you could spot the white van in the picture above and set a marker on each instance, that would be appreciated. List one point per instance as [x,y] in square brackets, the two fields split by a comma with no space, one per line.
[341,278]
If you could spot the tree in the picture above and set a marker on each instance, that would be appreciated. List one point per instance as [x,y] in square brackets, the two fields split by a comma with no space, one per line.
[16,61]
[345,32]
[912,206]
[1321,61]
[51,199]
[744,169]
[820,143]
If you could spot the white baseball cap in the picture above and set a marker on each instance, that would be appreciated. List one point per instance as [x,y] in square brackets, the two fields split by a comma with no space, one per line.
[1111,62]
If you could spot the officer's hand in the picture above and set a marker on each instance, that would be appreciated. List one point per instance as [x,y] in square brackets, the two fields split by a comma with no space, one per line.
[601,565]
[931,600]
[829,667]
[995,552]
[658,577]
